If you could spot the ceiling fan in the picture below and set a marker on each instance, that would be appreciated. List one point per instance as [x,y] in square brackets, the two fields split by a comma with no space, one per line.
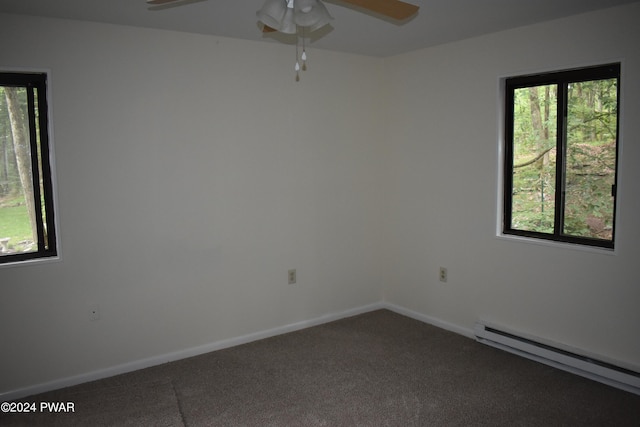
[394,9]
[306,16]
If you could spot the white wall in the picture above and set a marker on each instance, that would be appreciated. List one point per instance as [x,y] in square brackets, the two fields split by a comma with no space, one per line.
[441,191]
[193,172]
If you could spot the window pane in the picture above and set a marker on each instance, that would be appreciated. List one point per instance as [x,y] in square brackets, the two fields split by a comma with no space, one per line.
[18,232]
[534,158]
[591,158]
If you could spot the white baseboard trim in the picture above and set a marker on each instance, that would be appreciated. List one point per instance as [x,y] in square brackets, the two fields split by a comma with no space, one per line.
[181,354]
[430,320]
[231,342]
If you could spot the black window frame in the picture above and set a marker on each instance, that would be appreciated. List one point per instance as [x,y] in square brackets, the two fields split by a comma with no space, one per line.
[36,83]
[562,79]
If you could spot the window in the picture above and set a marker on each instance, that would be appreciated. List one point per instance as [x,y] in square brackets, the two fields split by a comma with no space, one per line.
[561,151]
[27,228]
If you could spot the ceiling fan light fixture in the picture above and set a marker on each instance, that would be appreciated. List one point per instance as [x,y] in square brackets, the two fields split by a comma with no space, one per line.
[311,14]
[287,24]
[286,15]
[272,13]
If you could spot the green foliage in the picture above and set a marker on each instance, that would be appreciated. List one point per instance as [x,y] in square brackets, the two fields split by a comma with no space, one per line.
[14,223]
[590,158]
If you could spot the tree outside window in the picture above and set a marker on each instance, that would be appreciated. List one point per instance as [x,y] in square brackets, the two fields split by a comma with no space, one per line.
[561,155]
[27,229]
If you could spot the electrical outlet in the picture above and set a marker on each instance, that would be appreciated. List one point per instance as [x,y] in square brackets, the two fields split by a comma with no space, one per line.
[443,274]
[292,276]
[94,312]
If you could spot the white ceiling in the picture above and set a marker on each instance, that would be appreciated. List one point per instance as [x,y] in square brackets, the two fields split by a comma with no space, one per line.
[437,22]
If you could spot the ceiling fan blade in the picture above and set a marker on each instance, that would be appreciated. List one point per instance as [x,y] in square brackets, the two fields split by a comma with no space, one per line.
[160,1]
[395,9]
[268,29]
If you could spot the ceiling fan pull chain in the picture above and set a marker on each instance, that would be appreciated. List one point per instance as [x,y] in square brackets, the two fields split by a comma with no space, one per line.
[304,53]
[297,67]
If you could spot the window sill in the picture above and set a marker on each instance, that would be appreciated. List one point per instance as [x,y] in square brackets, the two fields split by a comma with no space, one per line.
[30,262]
[554,244]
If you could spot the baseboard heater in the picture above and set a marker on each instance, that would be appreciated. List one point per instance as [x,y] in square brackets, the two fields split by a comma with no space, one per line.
[552,355]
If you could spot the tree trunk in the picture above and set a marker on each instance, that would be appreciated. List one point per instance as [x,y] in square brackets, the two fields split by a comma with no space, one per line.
[4,177]
[22,149]
[536,116]
[540,132]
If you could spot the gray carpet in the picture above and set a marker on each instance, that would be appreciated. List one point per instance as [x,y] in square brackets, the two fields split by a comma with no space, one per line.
[375,369]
